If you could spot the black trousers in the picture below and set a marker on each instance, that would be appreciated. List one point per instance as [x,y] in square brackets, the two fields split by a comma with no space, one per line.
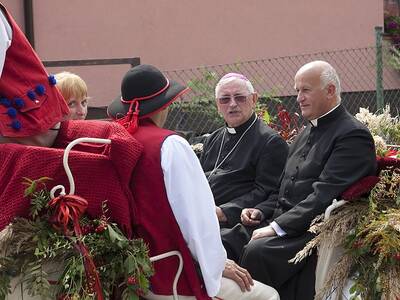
[267,261]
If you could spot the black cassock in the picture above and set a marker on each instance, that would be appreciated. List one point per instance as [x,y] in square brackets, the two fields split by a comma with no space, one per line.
[243,168]
[323,161]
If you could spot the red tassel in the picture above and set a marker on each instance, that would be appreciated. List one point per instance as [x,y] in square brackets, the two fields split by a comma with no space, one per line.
[69,208]
[131,120]
[92,276]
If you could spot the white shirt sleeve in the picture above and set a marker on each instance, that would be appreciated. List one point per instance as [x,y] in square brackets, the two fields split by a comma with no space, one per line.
[279,231]
[193,206]
[5,39]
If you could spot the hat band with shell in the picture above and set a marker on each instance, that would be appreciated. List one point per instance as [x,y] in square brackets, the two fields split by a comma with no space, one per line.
[130,120]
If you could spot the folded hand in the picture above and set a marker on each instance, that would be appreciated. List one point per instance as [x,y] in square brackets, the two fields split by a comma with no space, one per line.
[251,216]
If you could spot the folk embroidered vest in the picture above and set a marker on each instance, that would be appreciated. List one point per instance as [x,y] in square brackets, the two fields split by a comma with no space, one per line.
[154,219]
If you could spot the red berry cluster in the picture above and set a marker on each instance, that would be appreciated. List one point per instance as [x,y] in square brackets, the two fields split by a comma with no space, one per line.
[86,229]
[101,227]
[131,280]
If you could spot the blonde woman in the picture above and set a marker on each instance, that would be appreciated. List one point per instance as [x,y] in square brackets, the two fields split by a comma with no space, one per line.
[74,91]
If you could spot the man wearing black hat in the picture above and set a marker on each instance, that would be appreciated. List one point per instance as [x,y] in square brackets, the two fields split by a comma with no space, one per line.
[173,206]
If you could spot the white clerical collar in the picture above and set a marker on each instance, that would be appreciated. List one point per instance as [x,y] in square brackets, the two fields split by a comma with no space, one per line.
[231,130]
[315,121]
[243,127]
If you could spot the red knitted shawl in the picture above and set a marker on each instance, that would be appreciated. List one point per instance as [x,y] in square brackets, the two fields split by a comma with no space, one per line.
[101,172]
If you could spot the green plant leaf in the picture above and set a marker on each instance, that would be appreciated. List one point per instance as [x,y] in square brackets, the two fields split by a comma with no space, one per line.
[114,235]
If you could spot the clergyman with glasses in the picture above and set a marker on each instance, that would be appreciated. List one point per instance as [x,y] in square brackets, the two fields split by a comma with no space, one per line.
[243,160]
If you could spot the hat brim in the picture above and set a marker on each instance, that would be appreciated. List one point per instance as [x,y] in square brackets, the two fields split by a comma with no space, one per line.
[118,109]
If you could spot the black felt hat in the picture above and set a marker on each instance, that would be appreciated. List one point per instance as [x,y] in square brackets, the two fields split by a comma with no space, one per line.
[144,91]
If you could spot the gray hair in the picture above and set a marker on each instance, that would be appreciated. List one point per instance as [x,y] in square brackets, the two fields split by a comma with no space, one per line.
[234,77]
[330,76]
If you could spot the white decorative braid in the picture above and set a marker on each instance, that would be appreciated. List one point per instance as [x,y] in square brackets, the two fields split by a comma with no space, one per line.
[66,166]
[178,272]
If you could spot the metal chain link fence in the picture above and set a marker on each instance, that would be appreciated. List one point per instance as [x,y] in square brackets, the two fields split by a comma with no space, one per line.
[358,70]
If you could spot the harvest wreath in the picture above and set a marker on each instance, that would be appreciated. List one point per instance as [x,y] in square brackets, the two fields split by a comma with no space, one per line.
[88,258]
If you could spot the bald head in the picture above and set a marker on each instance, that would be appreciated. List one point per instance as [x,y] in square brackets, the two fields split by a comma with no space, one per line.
[318,88]
[326,73]
[316,65]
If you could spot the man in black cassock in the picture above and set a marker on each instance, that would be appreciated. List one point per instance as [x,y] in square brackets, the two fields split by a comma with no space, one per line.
[330,154]
[243,160]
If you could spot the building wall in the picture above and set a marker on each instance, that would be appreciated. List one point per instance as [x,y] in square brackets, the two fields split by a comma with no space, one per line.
[17,10]
[178,34]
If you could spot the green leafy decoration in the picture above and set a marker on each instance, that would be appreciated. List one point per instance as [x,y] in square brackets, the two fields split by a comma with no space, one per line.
[36,252]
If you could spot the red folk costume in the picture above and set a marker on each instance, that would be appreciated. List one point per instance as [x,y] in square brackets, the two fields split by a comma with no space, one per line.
[101,172]
[154,220]
[146,91]
[29,101]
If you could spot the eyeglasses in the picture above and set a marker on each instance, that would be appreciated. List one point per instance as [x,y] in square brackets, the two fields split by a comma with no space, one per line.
[237,98]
